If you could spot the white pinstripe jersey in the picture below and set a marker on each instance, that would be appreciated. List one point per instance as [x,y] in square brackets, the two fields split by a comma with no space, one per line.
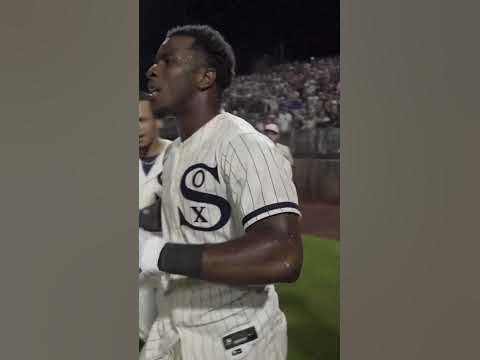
[148,189]
[216,184]
[148,184]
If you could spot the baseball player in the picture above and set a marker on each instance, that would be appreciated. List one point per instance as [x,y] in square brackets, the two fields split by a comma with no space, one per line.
[151,150]
[273,132]
[230,215]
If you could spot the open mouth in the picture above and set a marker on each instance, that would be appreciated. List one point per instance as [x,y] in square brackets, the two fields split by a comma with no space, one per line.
[153,90]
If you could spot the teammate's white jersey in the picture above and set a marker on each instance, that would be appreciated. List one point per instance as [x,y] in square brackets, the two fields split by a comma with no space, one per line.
[149,188]
[216,184]
[148,185]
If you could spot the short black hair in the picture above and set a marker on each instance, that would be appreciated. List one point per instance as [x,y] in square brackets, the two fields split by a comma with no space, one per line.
[218,51]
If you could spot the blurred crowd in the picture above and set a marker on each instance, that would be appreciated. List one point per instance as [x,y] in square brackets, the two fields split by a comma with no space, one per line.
[302,98]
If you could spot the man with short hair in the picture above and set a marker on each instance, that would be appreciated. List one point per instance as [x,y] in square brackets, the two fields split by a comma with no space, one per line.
[230,214]
[273,132]
[151,151]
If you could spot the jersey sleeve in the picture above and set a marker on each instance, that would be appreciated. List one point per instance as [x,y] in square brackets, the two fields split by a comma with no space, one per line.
[258,179]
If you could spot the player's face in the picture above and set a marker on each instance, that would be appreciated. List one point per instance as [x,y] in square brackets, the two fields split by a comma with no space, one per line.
[271,118]
[147,125]
[272,135]
[171,77]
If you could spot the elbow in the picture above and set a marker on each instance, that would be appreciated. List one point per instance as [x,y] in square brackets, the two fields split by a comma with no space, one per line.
[291,269]
[294,272]
[291,262]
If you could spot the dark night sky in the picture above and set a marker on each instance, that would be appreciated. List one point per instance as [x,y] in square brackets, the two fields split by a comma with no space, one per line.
[306,28]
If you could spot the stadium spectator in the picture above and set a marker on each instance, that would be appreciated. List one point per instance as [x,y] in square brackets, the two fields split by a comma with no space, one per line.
[304,96]
[284,121]
[273,132]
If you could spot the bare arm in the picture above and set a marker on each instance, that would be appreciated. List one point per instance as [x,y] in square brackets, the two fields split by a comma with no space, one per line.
[271,251]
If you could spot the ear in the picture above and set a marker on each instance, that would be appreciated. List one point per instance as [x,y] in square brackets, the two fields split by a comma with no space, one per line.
[206,78]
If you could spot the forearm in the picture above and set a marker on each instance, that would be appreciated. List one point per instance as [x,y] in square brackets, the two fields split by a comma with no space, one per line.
[270,272]
[254,259]
[259,257]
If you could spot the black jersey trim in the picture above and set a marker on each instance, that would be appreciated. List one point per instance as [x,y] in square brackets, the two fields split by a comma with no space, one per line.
[280,205]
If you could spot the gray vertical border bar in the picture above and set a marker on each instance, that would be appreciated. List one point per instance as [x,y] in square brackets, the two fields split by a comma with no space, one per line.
[409,193]
[69,93]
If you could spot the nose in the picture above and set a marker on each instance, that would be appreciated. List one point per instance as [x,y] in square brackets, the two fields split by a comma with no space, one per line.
[151,72]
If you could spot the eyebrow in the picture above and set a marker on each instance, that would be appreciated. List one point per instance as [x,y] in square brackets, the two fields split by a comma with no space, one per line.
[169,52]
[159,54]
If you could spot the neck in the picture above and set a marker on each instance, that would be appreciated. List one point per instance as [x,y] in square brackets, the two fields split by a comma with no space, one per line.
[151,150]
[196,114]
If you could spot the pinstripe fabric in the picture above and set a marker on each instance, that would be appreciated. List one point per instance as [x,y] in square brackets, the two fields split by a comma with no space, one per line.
[148,188]
[216,184]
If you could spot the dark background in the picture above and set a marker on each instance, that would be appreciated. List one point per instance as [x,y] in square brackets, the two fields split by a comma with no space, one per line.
[284,30]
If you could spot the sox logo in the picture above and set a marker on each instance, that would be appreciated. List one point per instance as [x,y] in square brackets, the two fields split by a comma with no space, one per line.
[200,172]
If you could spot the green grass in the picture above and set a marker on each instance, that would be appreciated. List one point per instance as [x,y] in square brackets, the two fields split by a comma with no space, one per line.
[311,305]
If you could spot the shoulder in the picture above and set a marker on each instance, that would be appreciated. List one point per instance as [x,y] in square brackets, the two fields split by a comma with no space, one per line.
[283,147]
[164,142]
[169,147]
[233,124]
[239,133]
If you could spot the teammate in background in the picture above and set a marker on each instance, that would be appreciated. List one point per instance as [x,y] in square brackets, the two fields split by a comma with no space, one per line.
[273,132]
[151,150]
[230,216]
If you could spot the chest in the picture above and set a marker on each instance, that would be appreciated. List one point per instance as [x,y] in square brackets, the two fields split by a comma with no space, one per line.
[194,192]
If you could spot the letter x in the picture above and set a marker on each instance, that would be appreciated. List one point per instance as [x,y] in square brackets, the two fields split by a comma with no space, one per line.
[199,214]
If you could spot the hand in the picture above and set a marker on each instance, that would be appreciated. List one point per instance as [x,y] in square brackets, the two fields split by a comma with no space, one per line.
[149,248]
[150,217]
